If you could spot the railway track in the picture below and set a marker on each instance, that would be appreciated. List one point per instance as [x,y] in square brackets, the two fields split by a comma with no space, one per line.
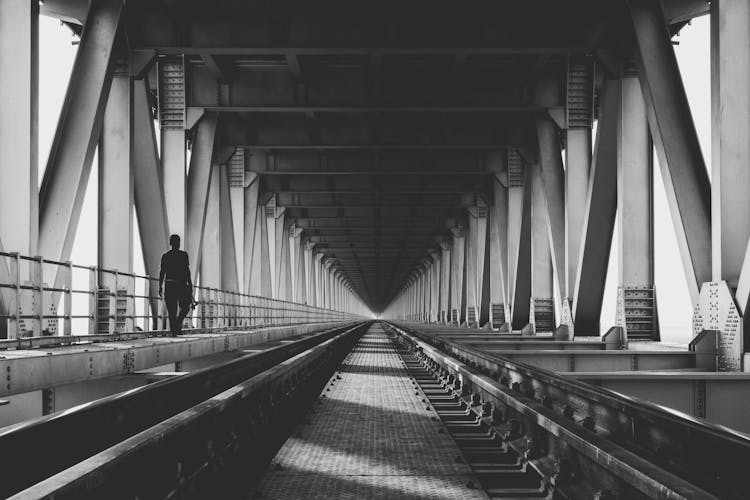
[523,432]
[584,441]
[502,470]
[38,449]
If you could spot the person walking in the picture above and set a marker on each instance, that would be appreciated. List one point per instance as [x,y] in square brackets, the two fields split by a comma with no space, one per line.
[175,284]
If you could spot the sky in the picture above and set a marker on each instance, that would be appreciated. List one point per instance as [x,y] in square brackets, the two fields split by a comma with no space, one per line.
[57,53]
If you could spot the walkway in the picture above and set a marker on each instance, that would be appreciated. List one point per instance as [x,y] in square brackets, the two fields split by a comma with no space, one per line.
[369,436]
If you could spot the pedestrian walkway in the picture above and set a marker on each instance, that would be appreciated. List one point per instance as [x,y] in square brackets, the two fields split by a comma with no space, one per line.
[370,435]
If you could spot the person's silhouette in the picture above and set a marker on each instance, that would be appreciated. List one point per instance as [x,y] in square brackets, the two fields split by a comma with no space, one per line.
[178,290]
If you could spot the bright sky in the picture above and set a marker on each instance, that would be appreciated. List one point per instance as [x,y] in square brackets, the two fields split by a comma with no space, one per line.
[56,60]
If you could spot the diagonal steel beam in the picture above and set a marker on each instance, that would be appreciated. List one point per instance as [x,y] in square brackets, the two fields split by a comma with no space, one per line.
[681,161]
[78,130]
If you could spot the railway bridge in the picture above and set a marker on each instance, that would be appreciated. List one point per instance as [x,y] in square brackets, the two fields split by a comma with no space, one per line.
[401,219]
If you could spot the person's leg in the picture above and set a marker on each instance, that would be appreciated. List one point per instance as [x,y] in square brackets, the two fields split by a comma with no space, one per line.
[184,303]
[171,299]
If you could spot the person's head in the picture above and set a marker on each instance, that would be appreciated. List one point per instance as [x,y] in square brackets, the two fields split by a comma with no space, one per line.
[174,242]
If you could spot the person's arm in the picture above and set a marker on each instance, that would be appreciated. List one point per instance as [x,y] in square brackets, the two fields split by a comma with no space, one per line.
[162,273]
[187,268]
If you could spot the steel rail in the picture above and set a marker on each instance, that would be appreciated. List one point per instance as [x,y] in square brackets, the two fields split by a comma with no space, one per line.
[39,448]
[668,444]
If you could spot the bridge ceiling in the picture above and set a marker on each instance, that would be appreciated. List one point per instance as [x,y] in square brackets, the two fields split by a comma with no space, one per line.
[376,124]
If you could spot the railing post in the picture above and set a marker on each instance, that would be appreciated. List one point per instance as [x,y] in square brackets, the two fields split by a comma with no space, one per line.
[130,301]
[113,311]
[203,299]
[93,299]
[68,298]
[147,312]
[15,307]
[38,295]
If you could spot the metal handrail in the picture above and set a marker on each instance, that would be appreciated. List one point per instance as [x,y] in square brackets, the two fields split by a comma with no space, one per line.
[33,308]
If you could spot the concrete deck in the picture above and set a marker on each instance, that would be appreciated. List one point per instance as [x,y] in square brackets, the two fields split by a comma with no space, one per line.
[369,436]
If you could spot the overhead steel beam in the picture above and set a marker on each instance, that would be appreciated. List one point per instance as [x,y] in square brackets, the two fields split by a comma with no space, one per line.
[269,146]
[413,191]
[296,213]
[680,158]
[376,173]
[220,70]
[260,108]
[78,131]
[382,51]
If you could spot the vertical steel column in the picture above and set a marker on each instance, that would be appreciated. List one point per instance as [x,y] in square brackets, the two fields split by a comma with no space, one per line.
[472,299]
[435,288]
[284,265]
[730,138]
[542,310]
[519,242]
[116,195]
[149,202]
[553,185]
[252,228]
[172,101]
[116,177]
[317,265]
[601,207]
[229,275]
[198,182]
[236,177]
[458,295]
[256,243]
[19,82]
[636,302]
[300,284]
[430,275]
[325,296]
[680,158]
[445,282]
[580,108]
[498,244]
[310,274]
[210,265]
[425,291]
